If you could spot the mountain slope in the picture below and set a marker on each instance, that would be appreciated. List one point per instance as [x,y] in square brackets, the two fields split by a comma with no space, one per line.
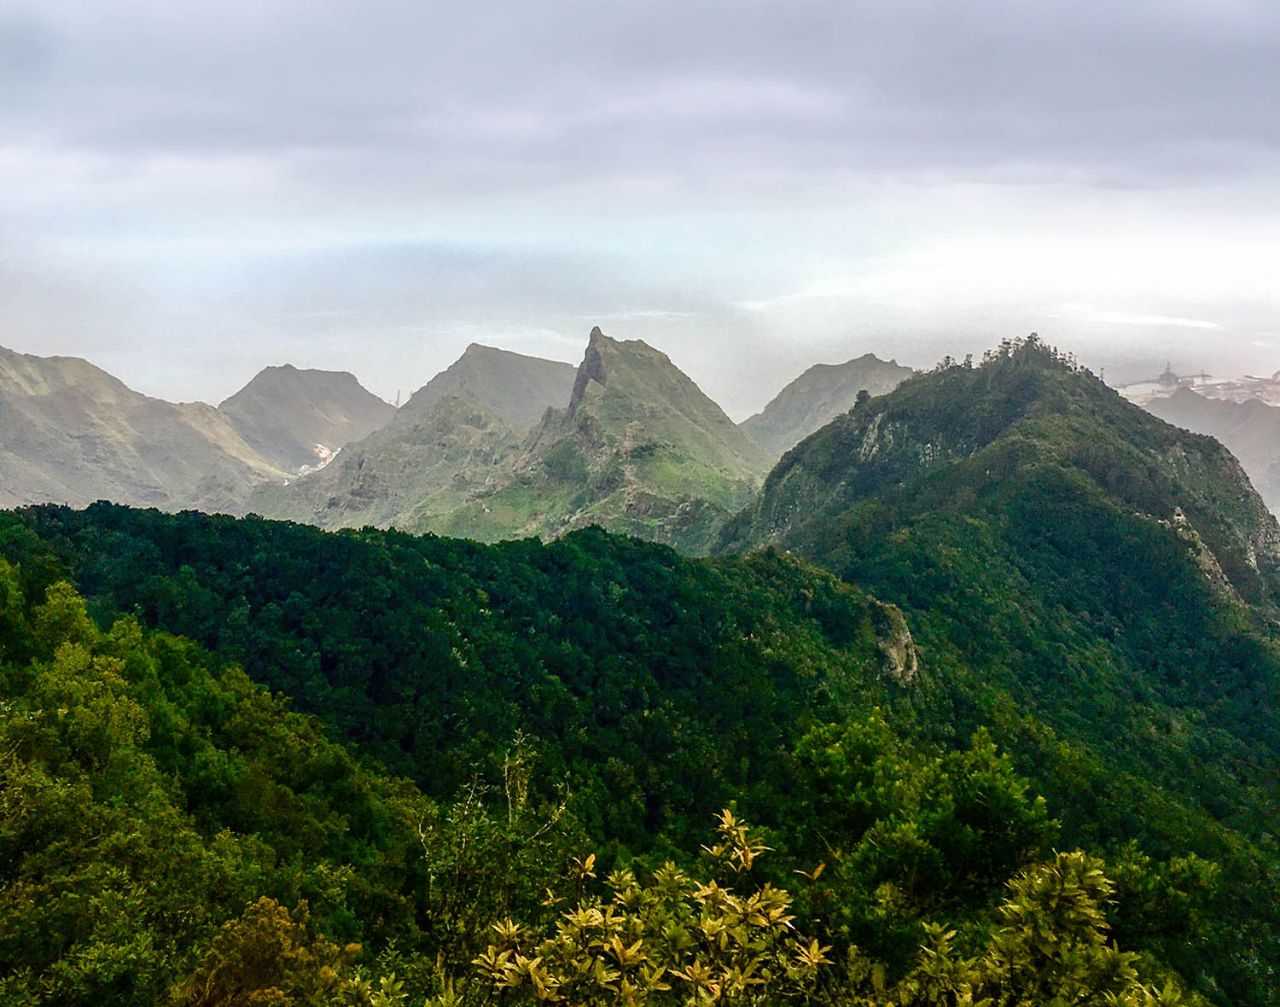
[1024,409]
[299,418]
[1250,429]
[72,433]
[639,449]
[817,397]
[424,462]
[515,388]
[439,450]
[1066,560]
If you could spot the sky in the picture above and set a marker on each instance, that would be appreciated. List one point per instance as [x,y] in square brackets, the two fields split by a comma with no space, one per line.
[191,192]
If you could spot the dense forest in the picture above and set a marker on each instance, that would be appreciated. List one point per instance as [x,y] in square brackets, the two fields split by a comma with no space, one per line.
[496,773]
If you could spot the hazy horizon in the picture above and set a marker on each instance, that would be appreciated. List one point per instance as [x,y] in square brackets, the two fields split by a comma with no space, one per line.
[191,196]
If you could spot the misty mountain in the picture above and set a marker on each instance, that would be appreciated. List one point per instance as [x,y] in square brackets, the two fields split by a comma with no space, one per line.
[439,450]
[817,397]
[300,418]
[72,433]
[1251,430]
[515,388]
[639,449]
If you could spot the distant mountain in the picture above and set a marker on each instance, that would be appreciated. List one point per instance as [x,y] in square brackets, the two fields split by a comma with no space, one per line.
[300,418]
[439,450]
[817,397]
[72,433]
[515,388]
[640,449]
[634,446]
[1251,430]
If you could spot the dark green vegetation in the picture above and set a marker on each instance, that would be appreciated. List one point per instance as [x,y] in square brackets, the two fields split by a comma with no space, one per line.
[663,689]
[594,694]
[1091,598]
[1096,586]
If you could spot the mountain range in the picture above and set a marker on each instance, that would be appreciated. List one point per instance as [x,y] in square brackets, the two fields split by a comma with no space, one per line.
[446,444]
[638,448]
[497,445]
[996,649]
[70,432]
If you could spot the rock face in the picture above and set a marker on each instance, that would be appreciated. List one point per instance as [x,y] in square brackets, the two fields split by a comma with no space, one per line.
[443,447]
[893,637]
[817,397]
[1202,554]
[637,449]
[1251,430]
[299,419]
[71,433]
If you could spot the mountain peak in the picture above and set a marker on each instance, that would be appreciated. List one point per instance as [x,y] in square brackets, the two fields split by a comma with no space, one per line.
[818,396]
[633,369]
[298,417]
[951,437]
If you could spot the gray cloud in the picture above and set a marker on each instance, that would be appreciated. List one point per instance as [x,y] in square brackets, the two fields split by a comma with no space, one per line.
[507,94]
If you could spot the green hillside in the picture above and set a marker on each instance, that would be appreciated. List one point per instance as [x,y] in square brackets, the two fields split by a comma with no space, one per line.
[1096,585]
[650,690]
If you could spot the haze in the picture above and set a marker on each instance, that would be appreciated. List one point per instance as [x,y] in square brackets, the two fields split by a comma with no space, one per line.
[190,193]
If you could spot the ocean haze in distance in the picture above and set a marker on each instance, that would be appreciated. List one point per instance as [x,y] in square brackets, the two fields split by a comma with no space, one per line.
[189,195]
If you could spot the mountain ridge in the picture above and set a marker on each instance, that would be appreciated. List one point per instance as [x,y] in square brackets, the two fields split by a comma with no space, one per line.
[1250,430]
[437,451]
[515,387]
[1064,558]
[73,433]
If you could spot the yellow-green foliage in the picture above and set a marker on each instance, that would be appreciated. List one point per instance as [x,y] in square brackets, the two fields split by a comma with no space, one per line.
[670,939]
[673,939]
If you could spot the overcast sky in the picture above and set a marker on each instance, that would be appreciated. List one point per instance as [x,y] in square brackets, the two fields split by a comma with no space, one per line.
[190,192]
